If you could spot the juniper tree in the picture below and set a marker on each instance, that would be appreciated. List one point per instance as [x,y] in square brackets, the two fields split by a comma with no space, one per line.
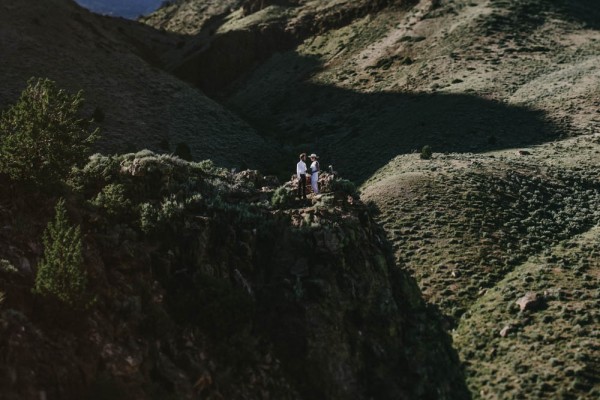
[42,135]
[61,272]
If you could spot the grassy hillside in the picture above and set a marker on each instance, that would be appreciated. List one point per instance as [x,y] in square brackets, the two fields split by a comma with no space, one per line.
[550,352]
[462,221]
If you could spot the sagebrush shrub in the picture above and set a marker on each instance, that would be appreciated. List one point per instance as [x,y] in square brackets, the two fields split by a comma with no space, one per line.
[41,136]
[61,272]
[113,200]
[282,197]
[426,153]
[343,186]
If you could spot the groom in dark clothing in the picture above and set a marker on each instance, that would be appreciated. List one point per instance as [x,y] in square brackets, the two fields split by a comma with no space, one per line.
[301,173]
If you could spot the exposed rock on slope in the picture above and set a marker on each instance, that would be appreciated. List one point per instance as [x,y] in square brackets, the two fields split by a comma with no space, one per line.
[139,105]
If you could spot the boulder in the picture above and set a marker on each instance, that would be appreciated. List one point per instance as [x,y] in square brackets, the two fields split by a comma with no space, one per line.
[531,301]
[506,330]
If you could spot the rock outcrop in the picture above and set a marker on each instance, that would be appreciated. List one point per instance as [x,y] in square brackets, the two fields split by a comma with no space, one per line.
[201,294]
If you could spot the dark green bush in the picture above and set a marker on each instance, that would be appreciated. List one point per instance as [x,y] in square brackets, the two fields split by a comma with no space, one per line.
[426,153]
[98,115]
[343,186]
[42,137]
[61,272]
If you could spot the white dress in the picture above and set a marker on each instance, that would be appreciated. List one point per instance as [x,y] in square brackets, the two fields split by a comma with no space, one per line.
[314,176]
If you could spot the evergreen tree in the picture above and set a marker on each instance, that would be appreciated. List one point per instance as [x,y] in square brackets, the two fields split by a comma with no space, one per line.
[61,272]
[41,136]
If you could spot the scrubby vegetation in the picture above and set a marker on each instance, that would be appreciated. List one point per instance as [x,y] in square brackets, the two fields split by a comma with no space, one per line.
[282,197]
[343,186]
[481,231]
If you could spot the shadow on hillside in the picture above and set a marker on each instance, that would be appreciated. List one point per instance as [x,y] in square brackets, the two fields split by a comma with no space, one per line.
[527,16]
[585,11]
[358,133]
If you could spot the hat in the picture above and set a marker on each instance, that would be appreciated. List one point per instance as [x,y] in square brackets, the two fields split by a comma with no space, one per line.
[313,155]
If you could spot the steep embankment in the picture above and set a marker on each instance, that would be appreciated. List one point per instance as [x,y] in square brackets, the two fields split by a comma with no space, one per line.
[137,105]
[201,290]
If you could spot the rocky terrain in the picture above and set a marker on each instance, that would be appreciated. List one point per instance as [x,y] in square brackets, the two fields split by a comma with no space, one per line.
[499,228]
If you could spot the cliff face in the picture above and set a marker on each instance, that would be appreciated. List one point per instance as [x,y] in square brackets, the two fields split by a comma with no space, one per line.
[226,297]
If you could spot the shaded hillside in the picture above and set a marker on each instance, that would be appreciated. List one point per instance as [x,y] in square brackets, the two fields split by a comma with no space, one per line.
[202,290]
[138,106]
[324,118]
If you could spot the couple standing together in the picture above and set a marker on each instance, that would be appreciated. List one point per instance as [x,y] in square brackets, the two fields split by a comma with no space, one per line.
[301,172]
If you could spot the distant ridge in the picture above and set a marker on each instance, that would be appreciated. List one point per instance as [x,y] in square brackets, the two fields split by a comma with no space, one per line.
[130,9]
